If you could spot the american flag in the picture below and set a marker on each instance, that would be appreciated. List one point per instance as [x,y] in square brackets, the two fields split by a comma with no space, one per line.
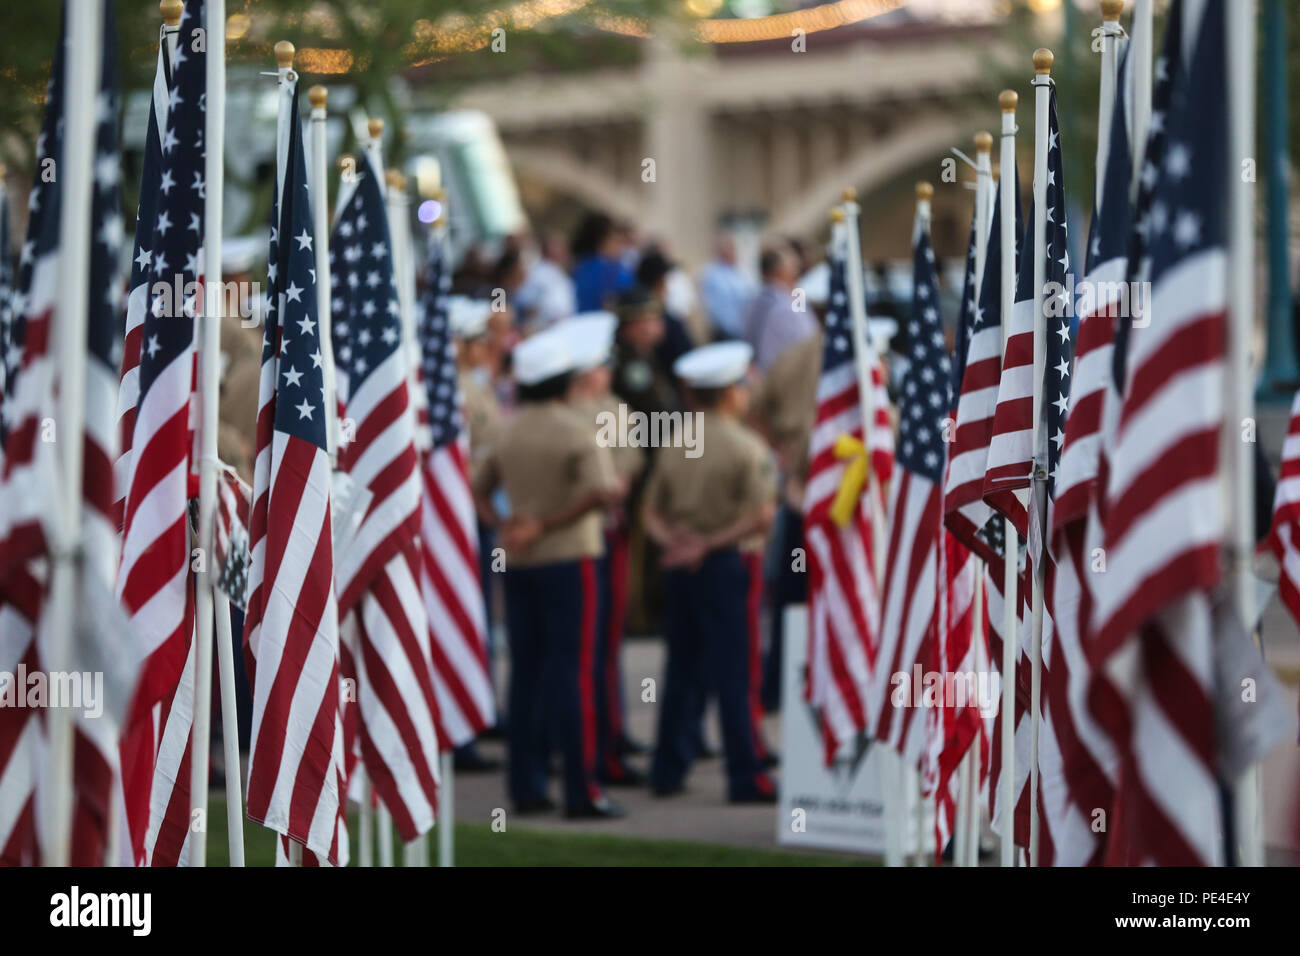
[378,573]
[965,512]
[1153,633]
[1087,757]
[453,597]
[1065,834]
[155,586]
[137,302]
[295,763]
[24,558]
[1283,537]
[956,650]
[909,628]
[843,596]
[1011,444]
[230,539]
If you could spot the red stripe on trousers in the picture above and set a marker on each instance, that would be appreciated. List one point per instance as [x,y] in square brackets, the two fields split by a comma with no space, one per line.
[753,598]
[586,672]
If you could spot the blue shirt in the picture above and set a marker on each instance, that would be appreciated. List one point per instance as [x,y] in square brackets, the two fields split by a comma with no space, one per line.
[597,279]
[726,292]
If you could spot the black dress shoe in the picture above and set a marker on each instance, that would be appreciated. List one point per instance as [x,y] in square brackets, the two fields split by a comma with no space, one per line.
[755,798]
[601,809]
[467,759]
[536,805]
[625,777]
[704,752]
[627,745]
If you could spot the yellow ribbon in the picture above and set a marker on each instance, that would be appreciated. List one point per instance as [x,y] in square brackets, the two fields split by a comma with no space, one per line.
[848,448]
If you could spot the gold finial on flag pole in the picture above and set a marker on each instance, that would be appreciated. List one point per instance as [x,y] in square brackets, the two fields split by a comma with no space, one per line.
[1111,9]
[924,192]
[836,214]
[1007,100]
[284,51]
[375,127]
[850,194]
[1043,60]
[983,142]
[171,11]
[395,180]
[317,96]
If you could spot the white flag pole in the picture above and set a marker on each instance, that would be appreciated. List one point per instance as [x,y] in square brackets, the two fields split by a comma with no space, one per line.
[1038,481]
[84,23]
[447,807]
[1010,588]
[1108,90]
[209,319]
[923,817]
[447,783]
[1238,468]
[385,828]
[374,150]
[891,769]
[967,798]
[1140,57]
[286,90]
[318,96]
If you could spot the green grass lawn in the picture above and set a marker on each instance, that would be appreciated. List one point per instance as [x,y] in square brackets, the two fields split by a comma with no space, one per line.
[477,845]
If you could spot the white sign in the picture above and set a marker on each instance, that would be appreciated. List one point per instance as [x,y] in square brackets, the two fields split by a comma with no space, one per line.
[836,807]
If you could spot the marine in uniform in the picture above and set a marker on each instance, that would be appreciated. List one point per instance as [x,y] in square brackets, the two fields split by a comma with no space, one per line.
[591,337]
[702,511]
[558,480]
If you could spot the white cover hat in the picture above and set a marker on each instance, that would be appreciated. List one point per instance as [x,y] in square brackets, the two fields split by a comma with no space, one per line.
[542,356]
[468,317]
[714,366]
[591,336]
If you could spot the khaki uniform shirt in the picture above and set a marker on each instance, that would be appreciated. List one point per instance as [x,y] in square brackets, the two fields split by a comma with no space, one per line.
[547,458]
[733,475]
[628,459]
[482,414]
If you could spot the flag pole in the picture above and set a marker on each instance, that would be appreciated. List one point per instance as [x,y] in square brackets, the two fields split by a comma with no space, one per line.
[286,77]
[1108,90]
[209,365]
[415,853]
[399,230]
[214,186]
[890,765]
[924,823]
[375,127]
[318,96]
[1038,481]
[1142,29]
[965,852]
[84,23]
[1239,454]
[1011,617]
[447,783]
